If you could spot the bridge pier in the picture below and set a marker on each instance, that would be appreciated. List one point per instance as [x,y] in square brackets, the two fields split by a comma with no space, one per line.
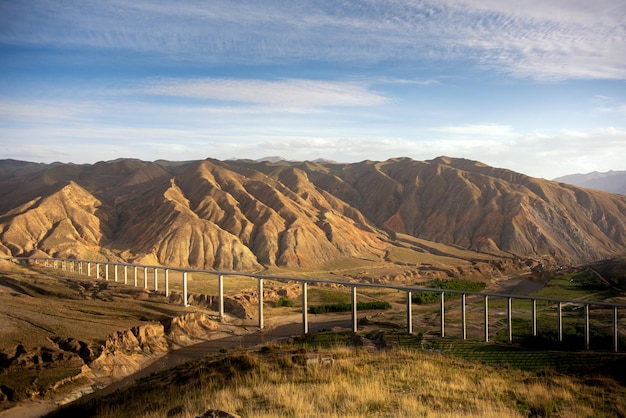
[145,277]
[534,317]
[167,283]
[559,322]
[463,318]
[442,313]
[587,341]
[509,321]
[486,318]
[220,296]
[185,303]
[135,276]
[305,308]
[355,319]
[615,333]
[156,280]
[125,274]
[409,312]
[115,272]
[261,325]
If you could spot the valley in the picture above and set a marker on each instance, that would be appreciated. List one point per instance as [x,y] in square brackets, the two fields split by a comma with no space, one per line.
[398,222]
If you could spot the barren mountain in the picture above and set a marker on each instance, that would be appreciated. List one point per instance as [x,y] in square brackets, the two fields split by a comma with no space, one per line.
[245,215]
[610,181]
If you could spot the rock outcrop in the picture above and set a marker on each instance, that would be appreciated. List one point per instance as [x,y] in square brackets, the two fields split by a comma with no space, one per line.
[123,353]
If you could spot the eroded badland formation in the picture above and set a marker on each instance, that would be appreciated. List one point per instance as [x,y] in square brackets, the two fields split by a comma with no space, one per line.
[246,215]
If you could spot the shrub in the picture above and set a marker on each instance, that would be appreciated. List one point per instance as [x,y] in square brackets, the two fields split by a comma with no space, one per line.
[283,301]
[346,307]
[454,284]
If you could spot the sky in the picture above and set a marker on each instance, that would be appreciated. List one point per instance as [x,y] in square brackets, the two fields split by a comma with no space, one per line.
[534,86]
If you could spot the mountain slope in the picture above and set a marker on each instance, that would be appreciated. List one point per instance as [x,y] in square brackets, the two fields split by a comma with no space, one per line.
[491,210]
[245,215]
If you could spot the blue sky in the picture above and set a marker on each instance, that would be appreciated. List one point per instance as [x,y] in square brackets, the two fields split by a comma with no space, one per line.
[537,86]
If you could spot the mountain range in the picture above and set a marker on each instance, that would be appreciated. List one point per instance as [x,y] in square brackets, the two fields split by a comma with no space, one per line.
[250,215]
[610,181]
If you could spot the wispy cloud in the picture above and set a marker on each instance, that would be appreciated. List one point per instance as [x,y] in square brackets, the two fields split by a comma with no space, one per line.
[281,93]
[487,130]
[551,39]
[41,111]
[606,104]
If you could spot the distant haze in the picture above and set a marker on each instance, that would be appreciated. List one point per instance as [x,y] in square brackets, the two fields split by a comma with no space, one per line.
[611,181]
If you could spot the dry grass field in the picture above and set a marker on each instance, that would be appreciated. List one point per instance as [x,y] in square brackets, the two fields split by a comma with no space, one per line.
[364,379]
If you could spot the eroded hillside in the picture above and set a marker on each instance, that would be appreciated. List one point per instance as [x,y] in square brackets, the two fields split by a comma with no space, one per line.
[246,215]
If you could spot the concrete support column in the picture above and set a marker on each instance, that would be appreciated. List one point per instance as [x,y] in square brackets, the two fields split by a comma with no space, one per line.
[442,313]
[89,269]
[409,312]
[167,283]
[106,271]
[559,320]
[156,279]
[509,320]
[305,308]
[97,270]
[220,296]
[587,336]
[463,318]
[354,310]
[615,333]
[145,277]
[534,317]
[115,272]
[185,303]
[80,267]
[261,325]
[135,275]
[486,318]
[125,274]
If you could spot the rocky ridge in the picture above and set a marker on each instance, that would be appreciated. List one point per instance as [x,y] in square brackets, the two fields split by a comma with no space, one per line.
[246,215]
